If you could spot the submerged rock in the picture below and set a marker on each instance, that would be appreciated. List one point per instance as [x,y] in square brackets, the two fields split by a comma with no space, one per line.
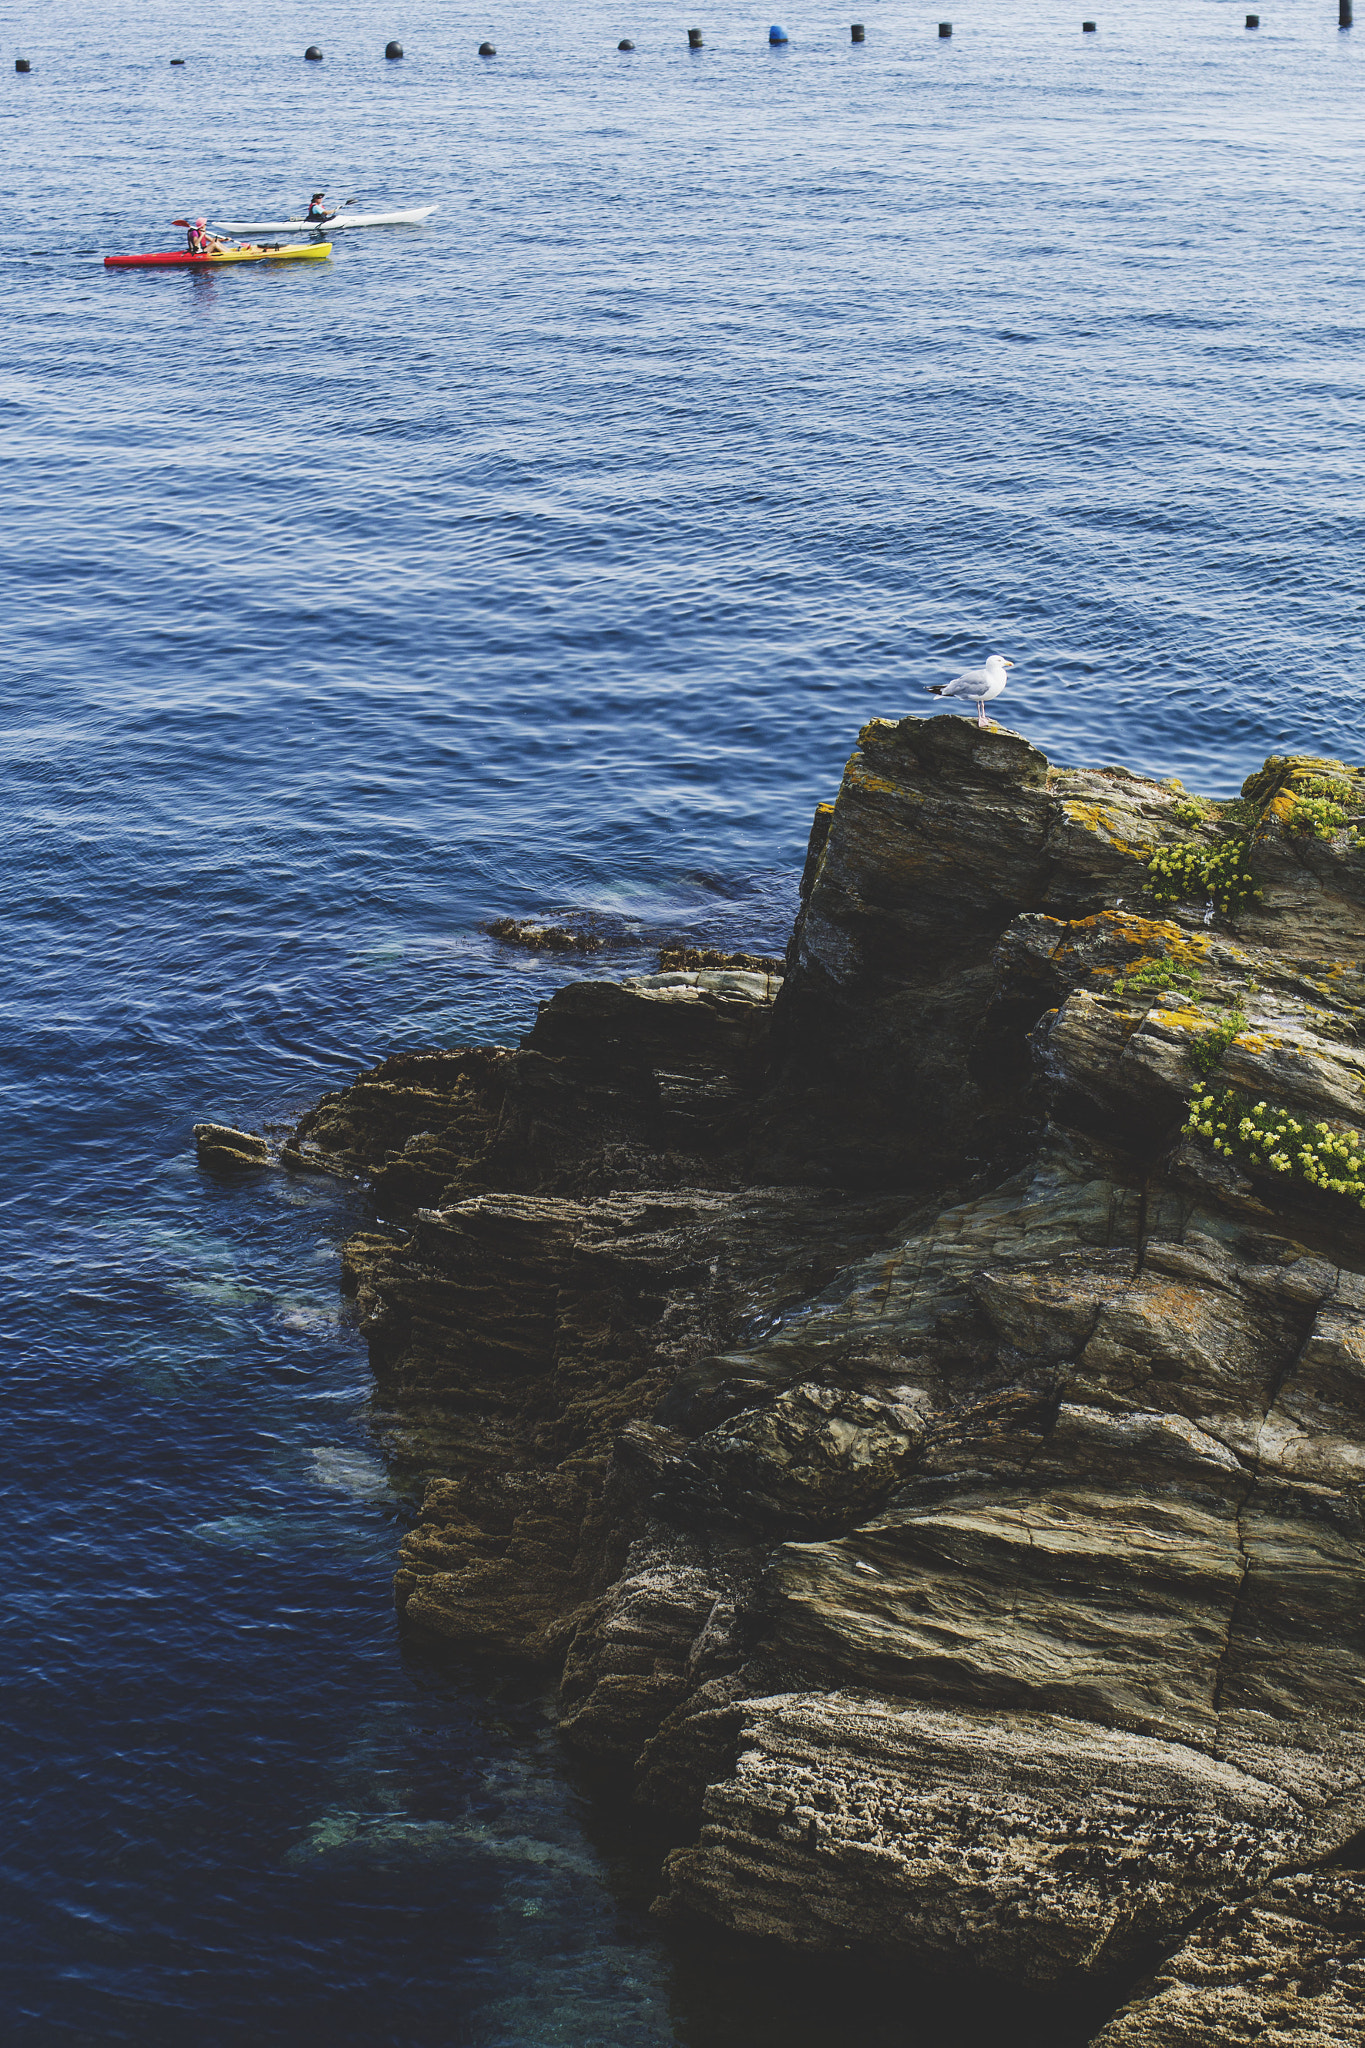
[924,1428]
[548,938]
[229,1150]
[680,954]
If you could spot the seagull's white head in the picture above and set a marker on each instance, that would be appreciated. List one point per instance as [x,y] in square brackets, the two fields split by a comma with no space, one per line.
[1002,661]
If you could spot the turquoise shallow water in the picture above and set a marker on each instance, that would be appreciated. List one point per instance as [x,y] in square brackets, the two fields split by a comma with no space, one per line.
[544,559]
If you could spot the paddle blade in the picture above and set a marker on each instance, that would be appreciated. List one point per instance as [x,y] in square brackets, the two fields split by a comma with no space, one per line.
[179,223]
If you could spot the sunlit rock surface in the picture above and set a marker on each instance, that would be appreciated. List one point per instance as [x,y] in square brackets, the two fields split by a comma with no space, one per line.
[936,1474]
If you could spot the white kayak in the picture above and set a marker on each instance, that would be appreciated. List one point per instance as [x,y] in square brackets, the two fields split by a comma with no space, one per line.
[337,220]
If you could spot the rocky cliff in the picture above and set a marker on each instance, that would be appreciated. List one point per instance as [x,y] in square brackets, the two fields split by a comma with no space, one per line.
[918,1400]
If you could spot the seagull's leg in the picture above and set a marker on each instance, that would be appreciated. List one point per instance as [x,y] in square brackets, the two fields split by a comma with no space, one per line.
[981,712]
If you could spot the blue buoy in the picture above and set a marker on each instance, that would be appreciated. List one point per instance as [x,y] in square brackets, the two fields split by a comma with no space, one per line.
[776,34]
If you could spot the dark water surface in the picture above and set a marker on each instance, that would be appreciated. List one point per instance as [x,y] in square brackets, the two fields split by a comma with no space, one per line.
[545,558]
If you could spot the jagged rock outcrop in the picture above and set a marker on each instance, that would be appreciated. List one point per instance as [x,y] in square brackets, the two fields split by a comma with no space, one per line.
[934,1451]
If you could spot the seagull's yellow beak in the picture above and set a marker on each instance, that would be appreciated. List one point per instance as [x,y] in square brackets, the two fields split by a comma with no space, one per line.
[1008,664]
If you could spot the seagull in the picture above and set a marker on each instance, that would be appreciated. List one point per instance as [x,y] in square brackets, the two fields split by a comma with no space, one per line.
[983,684]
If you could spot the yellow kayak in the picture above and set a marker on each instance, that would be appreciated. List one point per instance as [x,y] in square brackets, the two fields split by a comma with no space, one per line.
[181,259]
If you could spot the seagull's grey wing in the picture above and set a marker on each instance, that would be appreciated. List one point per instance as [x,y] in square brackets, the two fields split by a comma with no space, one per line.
[969,684]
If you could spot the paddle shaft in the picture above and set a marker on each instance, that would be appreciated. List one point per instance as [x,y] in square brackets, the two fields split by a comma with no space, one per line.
[304,223]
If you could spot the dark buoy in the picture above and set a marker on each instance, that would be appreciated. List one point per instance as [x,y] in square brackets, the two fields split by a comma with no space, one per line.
[625,44]
[1343,13]
[313,54]
[22,64]
[1087,28]
[694,39]
[392,50]
[858,32]
[1253,21]
[945,28]
[776,34]
[487,50]
[177,60]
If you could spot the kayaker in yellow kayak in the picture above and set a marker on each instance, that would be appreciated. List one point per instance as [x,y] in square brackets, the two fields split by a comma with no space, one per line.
[202,243]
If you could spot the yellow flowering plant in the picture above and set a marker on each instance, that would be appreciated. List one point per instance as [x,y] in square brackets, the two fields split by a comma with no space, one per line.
[1271,1140]
[1221,873]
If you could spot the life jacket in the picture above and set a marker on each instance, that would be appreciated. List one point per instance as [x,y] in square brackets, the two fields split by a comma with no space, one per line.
[319,213]
[198,242]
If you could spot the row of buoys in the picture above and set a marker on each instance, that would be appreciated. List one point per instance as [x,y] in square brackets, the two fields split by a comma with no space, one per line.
[393,51]
[776,36]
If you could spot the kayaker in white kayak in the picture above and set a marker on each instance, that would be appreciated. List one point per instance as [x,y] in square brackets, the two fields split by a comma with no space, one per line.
[316,209]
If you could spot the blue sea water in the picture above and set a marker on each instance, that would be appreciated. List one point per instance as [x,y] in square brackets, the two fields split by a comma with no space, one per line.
[546,558]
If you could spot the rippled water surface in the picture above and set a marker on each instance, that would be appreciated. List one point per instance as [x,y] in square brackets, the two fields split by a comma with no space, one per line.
[545,558]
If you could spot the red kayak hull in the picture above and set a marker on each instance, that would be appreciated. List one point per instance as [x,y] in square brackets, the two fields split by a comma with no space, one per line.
[180,256]
[182,259]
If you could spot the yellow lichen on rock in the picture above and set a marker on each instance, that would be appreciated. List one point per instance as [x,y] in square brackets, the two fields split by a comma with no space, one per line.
[1092,817]
[1187,949]
[1186,1018]
[860,776]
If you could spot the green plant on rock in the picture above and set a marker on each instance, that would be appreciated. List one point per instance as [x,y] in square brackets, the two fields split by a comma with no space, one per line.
[1319,806]
[1157,974]
[1207,1050]
[1190,809]
[1274,1141]
[1307,793]
[1293,772]
[1337,789]
[1177,873]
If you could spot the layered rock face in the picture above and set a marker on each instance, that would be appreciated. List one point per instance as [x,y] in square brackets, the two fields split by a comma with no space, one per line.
[932,1449]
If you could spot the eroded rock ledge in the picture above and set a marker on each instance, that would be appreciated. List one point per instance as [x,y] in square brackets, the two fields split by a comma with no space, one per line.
[938,1476]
